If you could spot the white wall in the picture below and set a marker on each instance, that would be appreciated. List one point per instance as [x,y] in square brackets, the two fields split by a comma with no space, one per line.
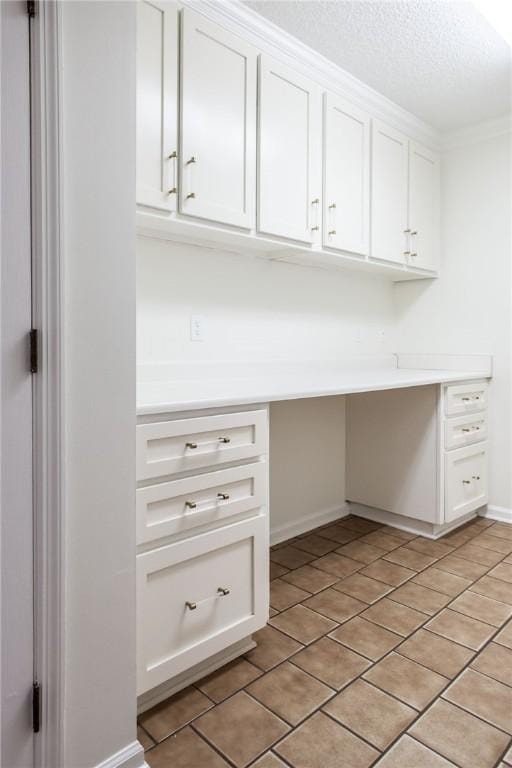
[468,310]
[259,310]
[98,166]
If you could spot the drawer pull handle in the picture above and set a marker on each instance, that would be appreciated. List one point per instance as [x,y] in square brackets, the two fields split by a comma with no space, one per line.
[476,477]
[466,429]
[466,482]
[315,229]
[191,606]
[192,446]
[223,591]
[331,232]
[477,429]
[466,399]
[219,497]
[191,504]
[191,196]
[224,439]
[223,496]
[477,397]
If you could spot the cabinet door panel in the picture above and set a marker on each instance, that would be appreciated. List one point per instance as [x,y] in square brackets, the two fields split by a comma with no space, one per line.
[289,160]
[389,194]
[157,104]
[424,206]
[346,176]
[218,124]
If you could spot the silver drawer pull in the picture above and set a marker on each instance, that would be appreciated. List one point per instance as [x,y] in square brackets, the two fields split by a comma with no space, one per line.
[466,482]
[331,232]
[224,439]
[219,497]
[221,592]
[466,399]
[191,504]
[477,397]
[191,196]
[191,161]
[315,229]
[476,477]
[477,429]
[192,446]
[466,429]
[223,496]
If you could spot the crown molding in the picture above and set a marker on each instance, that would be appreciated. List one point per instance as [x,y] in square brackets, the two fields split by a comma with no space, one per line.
[473,134]
[271,39]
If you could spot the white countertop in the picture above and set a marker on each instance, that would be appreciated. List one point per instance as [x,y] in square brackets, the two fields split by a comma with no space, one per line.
[212,389]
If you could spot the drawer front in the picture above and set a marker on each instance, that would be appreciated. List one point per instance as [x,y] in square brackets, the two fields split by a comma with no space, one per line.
[465,480]
[179,506]
[169,447]
[465,398]
[196,597]
[465,430]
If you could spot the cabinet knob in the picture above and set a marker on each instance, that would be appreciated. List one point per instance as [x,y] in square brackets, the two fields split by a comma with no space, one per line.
[192,446]
[407,231]
[190,605]
[332,205]
[173,155]
[331,232]
[191,160]
[413,254]
[413,232]
[191,195]
[191,504]
[172,191]
[315,201]
[315,229]
[466,482]
[476,477]
[224,439]
[223,591]
[223,496]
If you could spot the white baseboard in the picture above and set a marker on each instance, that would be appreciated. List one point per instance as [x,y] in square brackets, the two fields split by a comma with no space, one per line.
[306,523]
[502,514]
[131,756]
[418,527]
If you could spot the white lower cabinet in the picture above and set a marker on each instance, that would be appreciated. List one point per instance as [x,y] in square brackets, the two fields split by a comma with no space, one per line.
[465,480]
[197,597]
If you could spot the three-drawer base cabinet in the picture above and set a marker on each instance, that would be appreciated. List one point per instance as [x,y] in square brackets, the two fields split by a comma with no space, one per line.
[419,453]
[202,538]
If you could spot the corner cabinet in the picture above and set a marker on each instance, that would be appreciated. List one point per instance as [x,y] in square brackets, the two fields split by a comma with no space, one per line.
[218,124]
[404,201]
[157,105]
[288,153]
[346,167]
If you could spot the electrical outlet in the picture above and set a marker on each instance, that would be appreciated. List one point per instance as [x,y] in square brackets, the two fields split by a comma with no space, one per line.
[197,328]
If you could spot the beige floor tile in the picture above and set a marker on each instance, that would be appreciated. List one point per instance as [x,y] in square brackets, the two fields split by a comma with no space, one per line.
[479,554]
[508,756]
[458,537]
[331,662]
[366,638]
[359,550]
[276,570]
[459,736]
[436,653]
[290,693]
[174,713]
[406,680]
[359,524]
[315,545]
[428,547]
[460,567]
[397,533]
[335,605]
[338,533]
[309,578]
[272,612]
[302,624]
[505,636]
[144,738]
[272,648]
[395,617]
[447,583]
[502,530]
[319,742]
[482,608]
[493,588]
[269,761]
[228,679]
[370,713]
[495,661]
[290,557]
[409,753]
[337,565]
[416,561]
[484,697]
[184,750]
[421,598]
[241,729]
[389,573]
[502,571]
[363,588]
[382,540]
[493,543]
[283,595]
[461,629]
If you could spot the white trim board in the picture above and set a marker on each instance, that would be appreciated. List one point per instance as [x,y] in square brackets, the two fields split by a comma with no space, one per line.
[307,523]
[473,134]
[131,756]
[271,39]
[501,514]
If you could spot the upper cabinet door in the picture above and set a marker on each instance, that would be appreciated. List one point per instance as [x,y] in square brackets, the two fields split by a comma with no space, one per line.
[389,239]
[289,157]
[346,176]
[424,193]
[157,104]
[218,124]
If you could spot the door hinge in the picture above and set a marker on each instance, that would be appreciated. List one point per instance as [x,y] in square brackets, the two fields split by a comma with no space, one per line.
[36,707]
[31,8]
[33,350]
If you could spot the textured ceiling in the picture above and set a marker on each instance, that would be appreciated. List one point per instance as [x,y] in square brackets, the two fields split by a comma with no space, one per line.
[439,59]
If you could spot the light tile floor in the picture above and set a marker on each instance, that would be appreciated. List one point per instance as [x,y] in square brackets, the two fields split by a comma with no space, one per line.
[383,649]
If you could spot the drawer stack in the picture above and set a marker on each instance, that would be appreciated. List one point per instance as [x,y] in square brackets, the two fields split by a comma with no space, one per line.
[465,448]
[202,538]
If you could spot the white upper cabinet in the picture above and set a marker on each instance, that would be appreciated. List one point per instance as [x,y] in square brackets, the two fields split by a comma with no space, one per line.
[424,196]
[346,208]
[389,240]
[218,124]
[289,156]
[157,104]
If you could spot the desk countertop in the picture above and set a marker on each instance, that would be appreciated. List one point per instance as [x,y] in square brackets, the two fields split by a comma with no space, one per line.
[198,392]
